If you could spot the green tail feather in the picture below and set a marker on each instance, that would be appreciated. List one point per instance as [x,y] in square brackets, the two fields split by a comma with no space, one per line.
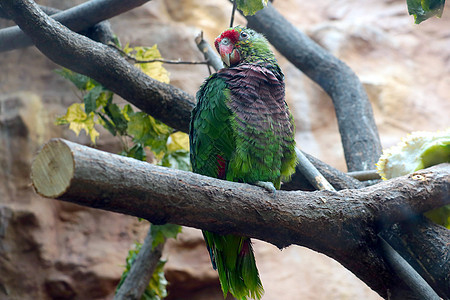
[233,258]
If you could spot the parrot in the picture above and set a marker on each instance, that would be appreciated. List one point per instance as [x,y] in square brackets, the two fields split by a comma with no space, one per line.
[241,130]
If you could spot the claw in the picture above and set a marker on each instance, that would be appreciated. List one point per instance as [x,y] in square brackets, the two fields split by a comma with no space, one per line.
[268,186]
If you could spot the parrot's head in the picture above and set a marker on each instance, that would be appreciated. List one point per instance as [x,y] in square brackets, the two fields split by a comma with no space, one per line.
[241,44]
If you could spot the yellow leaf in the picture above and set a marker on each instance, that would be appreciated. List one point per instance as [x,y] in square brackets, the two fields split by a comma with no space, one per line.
[154,69]
[78,120]
[178,141]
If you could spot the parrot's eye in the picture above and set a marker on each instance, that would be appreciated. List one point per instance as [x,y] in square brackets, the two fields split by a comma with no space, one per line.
[225,41]
[244,35]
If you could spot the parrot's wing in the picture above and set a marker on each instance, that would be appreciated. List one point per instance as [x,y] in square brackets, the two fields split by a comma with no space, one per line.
[211,136]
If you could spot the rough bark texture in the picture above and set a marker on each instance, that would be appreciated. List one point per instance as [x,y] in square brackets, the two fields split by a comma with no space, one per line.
[80,54]
[431,260]
[77,19]
[141,271]
[359,134]
[342,225]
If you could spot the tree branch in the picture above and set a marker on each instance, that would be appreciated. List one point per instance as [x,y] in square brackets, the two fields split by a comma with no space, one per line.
[78,53]
[430,259]
[141,271]
[359,134]
[90,177]
[77,18]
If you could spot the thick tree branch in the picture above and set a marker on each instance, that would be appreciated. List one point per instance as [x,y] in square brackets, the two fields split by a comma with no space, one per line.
[342,225]
[77,18]
[431,260]
[357,127]
[78,53]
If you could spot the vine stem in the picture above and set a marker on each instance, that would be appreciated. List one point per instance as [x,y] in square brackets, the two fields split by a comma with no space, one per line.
[167,61]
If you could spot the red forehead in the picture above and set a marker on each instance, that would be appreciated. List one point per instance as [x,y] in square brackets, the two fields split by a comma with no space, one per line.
[231,34]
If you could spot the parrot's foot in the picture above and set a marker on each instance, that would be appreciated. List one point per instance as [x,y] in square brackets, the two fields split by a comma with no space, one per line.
[268,186]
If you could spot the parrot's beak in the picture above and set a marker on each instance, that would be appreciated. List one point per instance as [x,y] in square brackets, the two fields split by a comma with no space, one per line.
[230,55]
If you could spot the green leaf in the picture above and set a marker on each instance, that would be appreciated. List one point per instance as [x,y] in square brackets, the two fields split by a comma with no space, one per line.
[440,215]
[178,159]
[148,131]
[425,9]
[113,111]
[105,97]
[161,232]
[137,152]
[156,289]
[250,7]
[106,123]
[126,111]
[90,99]
[80,81]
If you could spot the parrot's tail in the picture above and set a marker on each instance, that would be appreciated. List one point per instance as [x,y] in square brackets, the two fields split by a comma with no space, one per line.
[234,260]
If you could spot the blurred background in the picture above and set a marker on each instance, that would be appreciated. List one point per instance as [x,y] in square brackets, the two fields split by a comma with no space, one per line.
[56,250]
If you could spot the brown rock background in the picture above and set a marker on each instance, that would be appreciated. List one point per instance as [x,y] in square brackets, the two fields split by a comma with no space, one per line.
[55,250]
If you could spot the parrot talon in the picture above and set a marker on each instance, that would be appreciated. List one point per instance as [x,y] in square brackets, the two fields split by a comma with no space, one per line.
[268,186]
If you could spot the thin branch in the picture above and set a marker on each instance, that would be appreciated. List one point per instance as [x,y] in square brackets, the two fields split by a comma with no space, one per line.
[47,9]
[171,61]
[365,175]
[233,11]
[167,61]
[76,18]
[210,55]
[430,259]
[141,271]
[408,274]
[311,173]
[90,177]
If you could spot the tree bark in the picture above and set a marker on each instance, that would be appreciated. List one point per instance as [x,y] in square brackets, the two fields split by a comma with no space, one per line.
[431,260]
[342,225]
[359,134]
[77,18]
[141,271]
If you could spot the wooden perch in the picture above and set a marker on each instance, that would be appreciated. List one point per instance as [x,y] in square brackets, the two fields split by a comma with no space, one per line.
[89,177]
[77,18]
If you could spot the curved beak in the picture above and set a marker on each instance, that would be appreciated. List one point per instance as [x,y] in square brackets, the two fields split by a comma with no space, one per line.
[230,55]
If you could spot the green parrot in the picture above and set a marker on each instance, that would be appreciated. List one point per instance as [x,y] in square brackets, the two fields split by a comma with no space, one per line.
[242,130]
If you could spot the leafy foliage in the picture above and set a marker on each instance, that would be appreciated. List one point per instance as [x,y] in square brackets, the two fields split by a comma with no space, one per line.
[156,288]
[161,232]
[153,69]
[250,7]
[147,135]
[425,9]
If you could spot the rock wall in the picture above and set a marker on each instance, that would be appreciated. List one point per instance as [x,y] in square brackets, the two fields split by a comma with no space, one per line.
[55,250]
